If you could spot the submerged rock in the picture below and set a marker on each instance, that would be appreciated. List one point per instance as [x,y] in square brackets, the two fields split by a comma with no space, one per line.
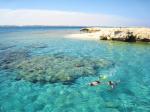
[10,58]
[5,47]
[63,69]
[40,46]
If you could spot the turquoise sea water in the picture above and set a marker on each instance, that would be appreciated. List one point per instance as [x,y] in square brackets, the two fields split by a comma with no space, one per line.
[130,63]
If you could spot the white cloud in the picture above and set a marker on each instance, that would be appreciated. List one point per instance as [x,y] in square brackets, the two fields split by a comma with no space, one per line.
[50,17]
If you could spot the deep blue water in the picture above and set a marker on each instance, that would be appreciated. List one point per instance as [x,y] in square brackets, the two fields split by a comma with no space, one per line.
[5,29]
[131,65]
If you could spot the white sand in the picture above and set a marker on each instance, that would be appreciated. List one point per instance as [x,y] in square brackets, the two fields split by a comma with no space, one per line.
[84,36]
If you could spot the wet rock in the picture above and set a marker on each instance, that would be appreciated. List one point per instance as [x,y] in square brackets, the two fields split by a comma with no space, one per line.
[144,40]
[53,69]
[103,38]
[126,36]
[90,30]
[119,34]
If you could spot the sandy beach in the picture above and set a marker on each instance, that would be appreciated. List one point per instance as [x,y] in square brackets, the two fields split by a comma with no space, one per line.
[84,36]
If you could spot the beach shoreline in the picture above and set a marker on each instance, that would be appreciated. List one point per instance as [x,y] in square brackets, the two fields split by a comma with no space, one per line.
[83,36]
[117,34]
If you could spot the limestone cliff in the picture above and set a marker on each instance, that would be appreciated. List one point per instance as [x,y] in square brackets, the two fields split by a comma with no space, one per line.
[121,34]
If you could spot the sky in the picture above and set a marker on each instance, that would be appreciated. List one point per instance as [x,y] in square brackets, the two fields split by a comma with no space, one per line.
[75,12]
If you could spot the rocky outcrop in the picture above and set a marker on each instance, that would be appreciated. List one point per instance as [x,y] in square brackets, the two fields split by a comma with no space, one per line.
[90,30]
[122,34]
[119,35]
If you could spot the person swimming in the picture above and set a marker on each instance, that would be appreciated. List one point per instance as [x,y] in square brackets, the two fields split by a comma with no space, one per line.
[113,84]
[102,80]
[95,83]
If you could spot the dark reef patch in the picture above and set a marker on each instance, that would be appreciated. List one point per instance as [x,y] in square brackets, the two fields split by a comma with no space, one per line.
[5,47]
[9,58]
[59,68]
[38,46]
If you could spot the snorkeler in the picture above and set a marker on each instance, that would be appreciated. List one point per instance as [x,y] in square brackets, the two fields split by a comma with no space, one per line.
[103,79]
[95,83]
[113,84]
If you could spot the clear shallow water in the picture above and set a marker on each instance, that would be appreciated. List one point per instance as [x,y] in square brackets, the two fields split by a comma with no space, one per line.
[131,67]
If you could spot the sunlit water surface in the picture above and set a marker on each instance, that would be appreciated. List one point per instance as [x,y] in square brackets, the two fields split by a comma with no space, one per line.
[131,65]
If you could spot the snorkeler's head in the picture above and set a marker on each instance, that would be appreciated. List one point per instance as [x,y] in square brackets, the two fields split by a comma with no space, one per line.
[110,82]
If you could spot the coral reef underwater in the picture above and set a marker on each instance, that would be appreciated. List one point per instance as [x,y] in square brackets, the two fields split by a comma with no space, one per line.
[9,58]
[59,68]
[51,68]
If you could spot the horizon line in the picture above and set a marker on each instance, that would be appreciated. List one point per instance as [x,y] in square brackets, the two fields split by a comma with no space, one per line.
[71,26]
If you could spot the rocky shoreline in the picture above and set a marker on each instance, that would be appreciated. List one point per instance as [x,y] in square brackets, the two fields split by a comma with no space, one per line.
[120,34]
